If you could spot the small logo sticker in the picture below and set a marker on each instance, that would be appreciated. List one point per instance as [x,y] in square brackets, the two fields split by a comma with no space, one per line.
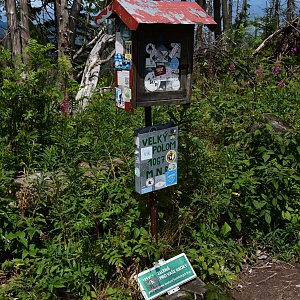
[171,156]
[149,181]
[172,166]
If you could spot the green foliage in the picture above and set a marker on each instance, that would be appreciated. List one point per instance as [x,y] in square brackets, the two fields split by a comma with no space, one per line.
[28,105]
[73,228]
[264,184]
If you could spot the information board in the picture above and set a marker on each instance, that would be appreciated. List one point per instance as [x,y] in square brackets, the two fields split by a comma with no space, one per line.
[155,158]
[162,67]
[166,276]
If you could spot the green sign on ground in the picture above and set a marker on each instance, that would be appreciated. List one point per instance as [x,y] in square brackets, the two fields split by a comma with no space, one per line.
[165,276]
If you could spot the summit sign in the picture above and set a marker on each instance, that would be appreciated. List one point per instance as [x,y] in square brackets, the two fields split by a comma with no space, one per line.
[155,158]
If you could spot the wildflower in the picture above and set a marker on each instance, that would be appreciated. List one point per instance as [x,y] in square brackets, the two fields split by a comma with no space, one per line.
[210,71]
[259,72]
[281,83]
[232,68]
[276,69]
[294,50]
[65,107]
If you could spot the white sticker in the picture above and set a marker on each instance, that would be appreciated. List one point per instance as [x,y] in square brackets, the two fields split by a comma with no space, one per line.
[151,83]
[119,44]
[123,78]
[150,63]
[175,52]
[127,94]
[175,85]
[137,142]
[128,49]
[172,166]
[160,182]
[149,181]
[150,49]
[146,153]
[137,172]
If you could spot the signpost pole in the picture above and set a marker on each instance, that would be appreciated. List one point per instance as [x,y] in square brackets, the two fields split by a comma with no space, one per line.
[152,198]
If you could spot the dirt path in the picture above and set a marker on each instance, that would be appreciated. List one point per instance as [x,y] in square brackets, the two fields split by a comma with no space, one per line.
[269,280]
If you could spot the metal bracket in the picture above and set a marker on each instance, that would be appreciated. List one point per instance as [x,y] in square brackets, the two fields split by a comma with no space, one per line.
[159,263]
[174,290]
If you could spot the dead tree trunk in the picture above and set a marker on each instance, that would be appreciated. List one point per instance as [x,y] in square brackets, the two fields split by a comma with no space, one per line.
[290,10]
[91,71]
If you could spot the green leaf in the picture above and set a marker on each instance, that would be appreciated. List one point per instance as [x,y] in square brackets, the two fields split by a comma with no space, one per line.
[267,217]
[275,183]
[259,205]
[53,268]
[24,242]
[238,224]
[266,157]
[286,215]
[225,229]
[24,254]
[20,234]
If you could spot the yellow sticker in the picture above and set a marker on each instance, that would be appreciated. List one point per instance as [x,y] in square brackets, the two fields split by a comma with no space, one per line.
[171,156]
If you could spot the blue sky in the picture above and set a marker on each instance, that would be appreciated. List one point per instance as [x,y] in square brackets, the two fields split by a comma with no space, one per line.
[258,6]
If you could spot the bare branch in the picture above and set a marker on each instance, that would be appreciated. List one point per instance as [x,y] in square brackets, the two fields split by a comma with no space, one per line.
[274,34]
[91,43]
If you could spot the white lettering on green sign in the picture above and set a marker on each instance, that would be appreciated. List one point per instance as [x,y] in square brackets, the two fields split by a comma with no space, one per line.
[160,279]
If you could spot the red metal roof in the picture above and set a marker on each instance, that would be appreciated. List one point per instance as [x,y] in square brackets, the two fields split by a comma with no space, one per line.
[135,12]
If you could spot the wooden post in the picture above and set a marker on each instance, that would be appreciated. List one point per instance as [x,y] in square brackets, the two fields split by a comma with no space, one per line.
[152,196]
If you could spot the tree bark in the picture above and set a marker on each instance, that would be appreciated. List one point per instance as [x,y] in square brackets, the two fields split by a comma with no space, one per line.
[202,3]
[217,17]
[62,21]
[199,34]
[74,15]
[241,17]
[277,12]
[230,9]
[24,26]
[237,10]
[225,15]
[290,10]
[14,42]
[244,9]
[209,11]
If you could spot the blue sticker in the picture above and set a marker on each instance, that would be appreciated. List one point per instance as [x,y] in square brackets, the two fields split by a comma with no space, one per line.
[121,62]
[174,63]
[146,190]
[171,177]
